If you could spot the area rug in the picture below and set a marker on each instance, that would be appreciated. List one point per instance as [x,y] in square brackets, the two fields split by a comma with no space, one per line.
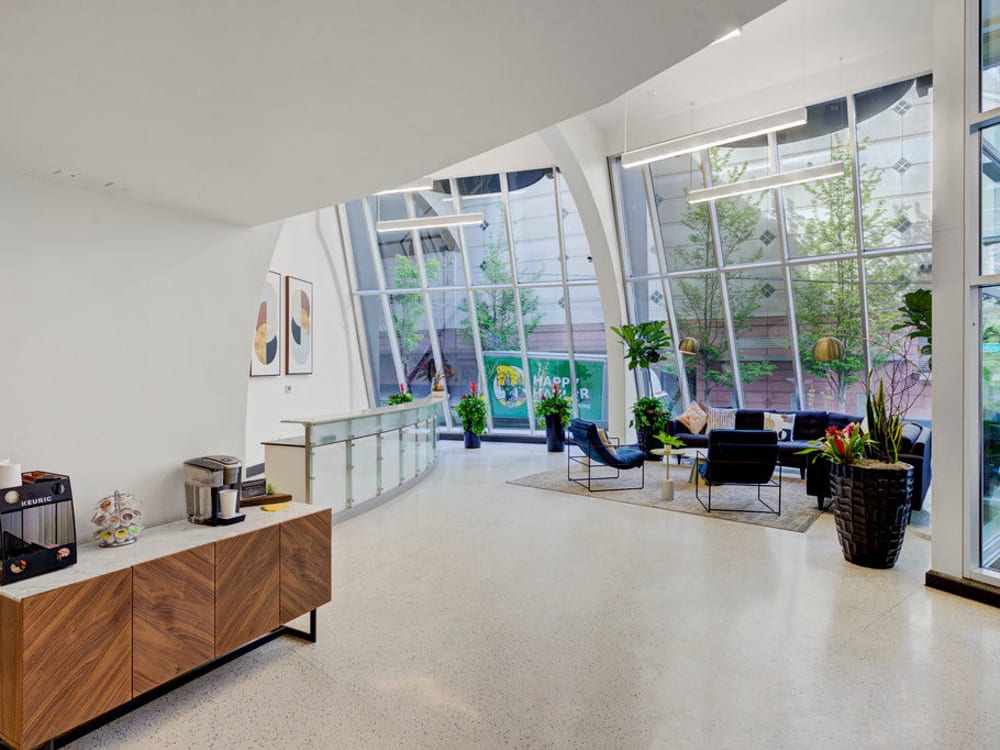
[798,510]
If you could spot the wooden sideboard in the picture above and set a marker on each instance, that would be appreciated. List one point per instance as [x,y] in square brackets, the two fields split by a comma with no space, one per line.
[86,640]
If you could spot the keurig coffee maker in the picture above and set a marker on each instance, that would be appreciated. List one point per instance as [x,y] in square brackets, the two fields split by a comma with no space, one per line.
[212,485]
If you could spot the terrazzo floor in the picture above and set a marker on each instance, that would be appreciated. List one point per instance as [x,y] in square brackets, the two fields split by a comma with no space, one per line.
[469,613]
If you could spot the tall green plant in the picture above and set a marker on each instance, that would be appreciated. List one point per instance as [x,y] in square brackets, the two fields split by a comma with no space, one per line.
[885,429]
[644,343]
[407,308]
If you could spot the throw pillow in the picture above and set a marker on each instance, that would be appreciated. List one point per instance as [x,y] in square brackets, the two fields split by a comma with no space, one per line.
[721,419]
[783,424]
[603,435]
[694,418]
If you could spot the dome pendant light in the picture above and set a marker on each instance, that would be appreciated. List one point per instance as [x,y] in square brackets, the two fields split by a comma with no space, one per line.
[828,349]
[689,345]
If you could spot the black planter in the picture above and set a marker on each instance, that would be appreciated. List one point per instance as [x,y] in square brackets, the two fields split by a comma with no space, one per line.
[644,439]
[471,440]
[872,509]
[555,433]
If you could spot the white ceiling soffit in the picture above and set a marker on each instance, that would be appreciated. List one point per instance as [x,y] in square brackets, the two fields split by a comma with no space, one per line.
[801,52]
[251,112]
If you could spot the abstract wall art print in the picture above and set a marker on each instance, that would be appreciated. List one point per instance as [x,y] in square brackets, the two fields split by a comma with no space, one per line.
[266,358]
[299,331]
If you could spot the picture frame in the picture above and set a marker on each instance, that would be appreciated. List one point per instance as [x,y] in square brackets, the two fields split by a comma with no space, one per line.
[299,333]
[265,354]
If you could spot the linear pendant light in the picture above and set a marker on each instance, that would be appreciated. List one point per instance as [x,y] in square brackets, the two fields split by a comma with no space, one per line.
[788,118]
[429,222]
[808,174]
[411,188]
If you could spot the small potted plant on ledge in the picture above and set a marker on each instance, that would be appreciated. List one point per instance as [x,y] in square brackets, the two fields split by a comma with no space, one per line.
[471,409]
[871,488]
[557,410]
[403,397]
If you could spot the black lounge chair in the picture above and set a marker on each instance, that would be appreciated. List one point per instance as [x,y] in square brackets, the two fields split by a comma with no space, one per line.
[584,435]
[740,457]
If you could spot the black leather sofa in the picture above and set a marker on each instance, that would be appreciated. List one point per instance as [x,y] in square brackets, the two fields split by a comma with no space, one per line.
[812,425]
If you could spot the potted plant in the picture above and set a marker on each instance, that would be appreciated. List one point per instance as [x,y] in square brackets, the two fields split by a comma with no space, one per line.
[648,417]
[403,397]
[557,410]
[644,343]
[471,409]
[438,378]
[870,487]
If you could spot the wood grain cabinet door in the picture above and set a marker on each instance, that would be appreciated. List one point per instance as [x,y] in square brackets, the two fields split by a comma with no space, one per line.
[173,616]
[246,588]
[77,661]
[305,564]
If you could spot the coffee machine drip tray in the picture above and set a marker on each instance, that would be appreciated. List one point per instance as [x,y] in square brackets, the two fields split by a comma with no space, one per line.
[223,521]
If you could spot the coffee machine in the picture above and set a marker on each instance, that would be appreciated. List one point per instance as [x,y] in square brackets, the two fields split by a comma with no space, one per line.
[212,485]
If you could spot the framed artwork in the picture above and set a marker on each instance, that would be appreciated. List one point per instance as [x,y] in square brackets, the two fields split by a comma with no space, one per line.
[299,326]
[266,358]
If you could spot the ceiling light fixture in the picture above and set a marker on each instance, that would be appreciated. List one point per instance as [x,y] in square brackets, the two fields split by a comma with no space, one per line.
[429,222]
[788,118]
[726,37]
[411,188]
[794,177]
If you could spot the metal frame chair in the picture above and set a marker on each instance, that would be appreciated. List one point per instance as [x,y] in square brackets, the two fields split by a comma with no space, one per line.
[747,457]
[583,435]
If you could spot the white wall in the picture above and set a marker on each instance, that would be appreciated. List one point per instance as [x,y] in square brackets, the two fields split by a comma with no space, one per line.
[124,342]
[309,247]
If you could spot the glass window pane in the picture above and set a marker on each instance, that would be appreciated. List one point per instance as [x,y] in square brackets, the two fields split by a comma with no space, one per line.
[410,319]
[590,349]
[486,243]
[819,214]
[990,48]
[894,145]
[457,348]
[640,247]
[579,263]
[648,303]
[379,352]
[364,269]
[990,366]
[547,337]
[532,201]
[763,341]
[698,306]
[827,303]
[989,140]
[896,358]
[687,241]
[748,226]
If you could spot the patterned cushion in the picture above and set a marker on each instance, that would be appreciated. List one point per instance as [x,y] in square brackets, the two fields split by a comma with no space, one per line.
[721,419]
[694,418]
[782,423]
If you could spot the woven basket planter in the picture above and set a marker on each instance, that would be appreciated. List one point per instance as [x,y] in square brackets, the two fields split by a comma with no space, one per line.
[872,509]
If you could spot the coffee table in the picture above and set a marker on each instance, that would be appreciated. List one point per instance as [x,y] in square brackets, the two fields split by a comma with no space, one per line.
[697,456]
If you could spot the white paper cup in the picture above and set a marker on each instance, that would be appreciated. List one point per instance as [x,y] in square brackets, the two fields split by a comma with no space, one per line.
[227,502]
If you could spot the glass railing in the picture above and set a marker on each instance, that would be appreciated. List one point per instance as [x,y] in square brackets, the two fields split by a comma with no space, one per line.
[344,460]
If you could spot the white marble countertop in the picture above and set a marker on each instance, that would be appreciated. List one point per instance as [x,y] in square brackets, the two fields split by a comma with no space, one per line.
[154,542]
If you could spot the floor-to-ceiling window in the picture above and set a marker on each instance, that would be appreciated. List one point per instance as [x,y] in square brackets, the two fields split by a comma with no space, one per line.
[757,279]
[510,303]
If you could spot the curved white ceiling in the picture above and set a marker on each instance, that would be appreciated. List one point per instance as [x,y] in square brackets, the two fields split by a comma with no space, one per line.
[254,111]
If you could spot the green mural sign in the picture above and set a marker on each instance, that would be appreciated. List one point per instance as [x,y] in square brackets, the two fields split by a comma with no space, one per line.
[507,385]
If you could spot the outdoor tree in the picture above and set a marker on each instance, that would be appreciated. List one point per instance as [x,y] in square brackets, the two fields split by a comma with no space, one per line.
[496,308]
[698,299]
[406,307]
[827,295]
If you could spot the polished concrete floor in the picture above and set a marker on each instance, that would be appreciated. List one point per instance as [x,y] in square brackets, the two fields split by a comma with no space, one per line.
[469,613]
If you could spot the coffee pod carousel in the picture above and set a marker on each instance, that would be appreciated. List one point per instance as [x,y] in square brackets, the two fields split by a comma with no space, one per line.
[117,520]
